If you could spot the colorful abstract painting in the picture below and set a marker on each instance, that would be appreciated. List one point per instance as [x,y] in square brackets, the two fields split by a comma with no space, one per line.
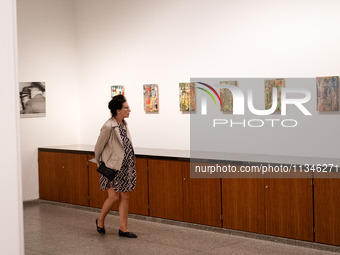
[117,90]
[327,93]
[187,96]
[227,96]
[269,85]
[151,97]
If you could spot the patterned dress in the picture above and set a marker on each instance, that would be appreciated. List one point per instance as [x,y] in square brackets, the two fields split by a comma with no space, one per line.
[125,179]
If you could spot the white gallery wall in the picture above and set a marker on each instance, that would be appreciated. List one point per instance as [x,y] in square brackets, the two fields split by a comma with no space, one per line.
[82,47]
[167,42]
[48,53]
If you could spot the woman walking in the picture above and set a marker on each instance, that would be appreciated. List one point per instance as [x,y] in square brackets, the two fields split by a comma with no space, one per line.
[114,148]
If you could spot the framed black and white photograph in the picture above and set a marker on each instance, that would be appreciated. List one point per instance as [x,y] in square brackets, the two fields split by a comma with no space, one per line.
[32,99]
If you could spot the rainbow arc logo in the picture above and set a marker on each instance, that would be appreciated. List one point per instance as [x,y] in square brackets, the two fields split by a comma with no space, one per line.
[209,93]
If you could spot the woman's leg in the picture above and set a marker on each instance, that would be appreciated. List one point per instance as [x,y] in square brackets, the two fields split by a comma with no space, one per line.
[113,196]
[123,210]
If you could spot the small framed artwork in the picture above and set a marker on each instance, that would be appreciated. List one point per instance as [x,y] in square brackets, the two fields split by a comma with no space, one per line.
[151,97]
[117,90]
[187,96]
[226,96]
[32,99]
[268,87]
[327,93]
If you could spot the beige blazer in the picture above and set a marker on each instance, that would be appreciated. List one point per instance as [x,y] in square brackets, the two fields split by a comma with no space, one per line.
[109,147]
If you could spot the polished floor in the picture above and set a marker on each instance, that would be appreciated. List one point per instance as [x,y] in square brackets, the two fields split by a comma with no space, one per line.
[53,229]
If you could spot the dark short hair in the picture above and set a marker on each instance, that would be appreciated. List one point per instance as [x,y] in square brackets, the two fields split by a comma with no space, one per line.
[116,103]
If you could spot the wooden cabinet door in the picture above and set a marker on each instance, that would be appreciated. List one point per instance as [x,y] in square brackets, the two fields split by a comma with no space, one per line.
[289,208]
[139,198]
[243,204]
[327,209]
[63,177]
[202,199]
[166,189]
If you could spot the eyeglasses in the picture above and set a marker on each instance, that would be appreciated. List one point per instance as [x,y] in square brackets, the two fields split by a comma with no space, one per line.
[127,107]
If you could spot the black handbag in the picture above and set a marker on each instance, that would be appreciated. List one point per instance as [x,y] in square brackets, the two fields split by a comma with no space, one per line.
[107,172]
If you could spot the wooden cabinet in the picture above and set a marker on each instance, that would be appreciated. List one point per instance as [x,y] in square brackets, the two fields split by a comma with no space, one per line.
[289,208]
[174,195]
[63,177]
[202,199]
[139,198]
[166,189]
[327,209]
[279,207]
[243,204]
[70,178]
[285,207]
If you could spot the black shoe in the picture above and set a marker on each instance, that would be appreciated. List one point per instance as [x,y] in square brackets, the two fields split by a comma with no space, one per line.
[127,234]
[99,229]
